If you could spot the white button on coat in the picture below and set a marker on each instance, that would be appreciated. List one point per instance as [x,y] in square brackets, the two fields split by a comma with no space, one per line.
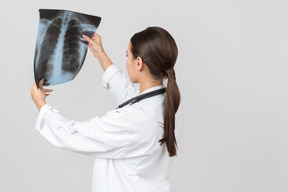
[124,142]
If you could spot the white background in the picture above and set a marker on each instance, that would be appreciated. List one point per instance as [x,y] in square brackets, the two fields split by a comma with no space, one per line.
[231,70]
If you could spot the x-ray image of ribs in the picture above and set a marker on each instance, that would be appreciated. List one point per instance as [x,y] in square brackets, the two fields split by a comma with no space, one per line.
[60,49]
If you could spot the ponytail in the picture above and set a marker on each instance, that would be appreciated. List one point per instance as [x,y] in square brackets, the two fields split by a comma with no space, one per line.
[172,101]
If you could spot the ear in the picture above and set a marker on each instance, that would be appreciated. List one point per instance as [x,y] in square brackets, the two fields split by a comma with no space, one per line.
[140,64]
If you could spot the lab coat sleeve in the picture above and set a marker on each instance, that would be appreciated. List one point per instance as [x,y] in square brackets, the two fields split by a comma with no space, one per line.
[118,84]
[97,137]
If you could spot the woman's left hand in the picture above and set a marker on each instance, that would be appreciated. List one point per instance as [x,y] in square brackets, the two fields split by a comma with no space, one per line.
[39,94]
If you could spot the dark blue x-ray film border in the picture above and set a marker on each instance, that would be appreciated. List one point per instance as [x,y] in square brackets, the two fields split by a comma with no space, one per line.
[48,52]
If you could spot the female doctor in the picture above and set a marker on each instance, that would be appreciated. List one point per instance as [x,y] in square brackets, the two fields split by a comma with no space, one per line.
[133,145]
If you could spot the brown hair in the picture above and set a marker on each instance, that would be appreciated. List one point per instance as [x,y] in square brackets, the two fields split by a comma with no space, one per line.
[158,51]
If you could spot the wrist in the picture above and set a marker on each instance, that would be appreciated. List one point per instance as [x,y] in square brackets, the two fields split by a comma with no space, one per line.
[40,105]
[100,54]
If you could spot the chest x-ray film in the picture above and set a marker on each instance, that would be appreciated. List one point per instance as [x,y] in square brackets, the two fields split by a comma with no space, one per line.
[60,49]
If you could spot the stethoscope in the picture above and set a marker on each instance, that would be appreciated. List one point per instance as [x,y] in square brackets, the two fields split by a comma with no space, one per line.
[142,96]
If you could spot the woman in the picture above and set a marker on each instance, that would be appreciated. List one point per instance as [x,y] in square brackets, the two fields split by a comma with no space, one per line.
[132,144]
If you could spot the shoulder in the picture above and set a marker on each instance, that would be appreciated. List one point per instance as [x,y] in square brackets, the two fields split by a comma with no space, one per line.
[147,113]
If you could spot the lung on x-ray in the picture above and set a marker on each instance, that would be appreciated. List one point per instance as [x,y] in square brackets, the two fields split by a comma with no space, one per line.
[60,49]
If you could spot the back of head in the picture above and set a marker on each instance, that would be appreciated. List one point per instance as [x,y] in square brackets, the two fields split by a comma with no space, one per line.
[158,51]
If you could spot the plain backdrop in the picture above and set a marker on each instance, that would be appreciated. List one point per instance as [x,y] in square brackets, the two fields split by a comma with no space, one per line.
[231,70]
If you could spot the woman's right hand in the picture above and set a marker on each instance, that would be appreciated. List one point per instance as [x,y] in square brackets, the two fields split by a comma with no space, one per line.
[95,44]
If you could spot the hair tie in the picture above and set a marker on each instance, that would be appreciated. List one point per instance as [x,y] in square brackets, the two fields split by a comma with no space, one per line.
[170,73]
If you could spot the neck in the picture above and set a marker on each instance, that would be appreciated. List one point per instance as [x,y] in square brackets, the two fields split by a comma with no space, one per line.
[149,84]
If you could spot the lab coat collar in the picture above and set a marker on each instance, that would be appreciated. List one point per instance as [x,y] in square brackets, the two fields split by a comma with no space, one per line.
[152,89]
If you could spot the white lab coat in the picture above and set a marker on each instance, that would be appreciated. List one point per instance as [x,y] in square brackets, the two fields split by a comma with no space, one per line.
[124,142]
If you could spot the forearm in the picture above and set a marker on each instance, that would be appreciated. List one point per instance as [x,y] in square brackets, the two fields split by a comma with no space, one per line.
[104,60]
[61,131]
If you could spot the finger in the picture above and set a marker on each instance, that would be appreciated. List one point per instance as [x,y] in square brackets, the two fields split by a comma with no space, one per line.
[41,83]
[47,94]
[33,88]
[95,36]
[48,90]
[87,39]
